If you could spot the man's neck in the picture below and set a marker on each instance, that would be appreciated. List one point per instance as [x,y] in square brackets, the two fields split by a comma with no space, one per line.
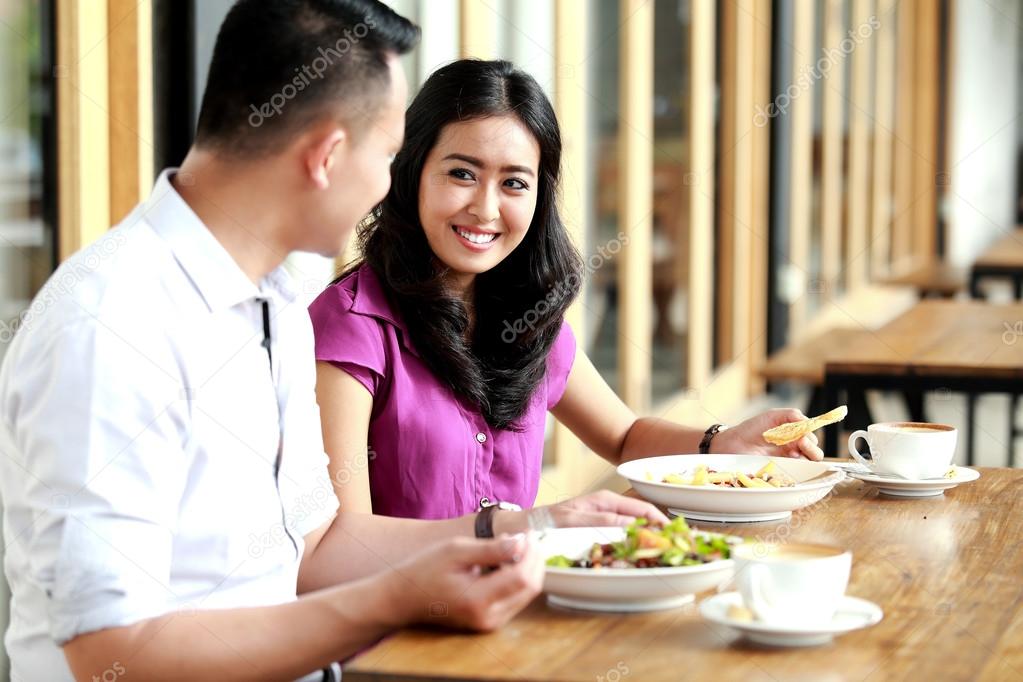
[234,207]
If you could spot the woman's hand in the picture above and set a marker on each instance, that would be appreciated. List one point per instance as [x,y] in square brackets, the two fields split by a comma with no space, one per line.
[747,438]
[601,508]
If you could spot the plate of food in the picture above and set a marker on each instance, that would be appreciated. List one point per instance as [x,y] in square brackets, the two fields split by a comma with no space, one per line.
[731,488]
[638,568]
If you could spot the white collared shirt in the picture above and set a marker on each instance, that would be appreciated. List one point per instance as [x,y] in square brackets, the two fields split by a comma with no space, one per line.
[139,432]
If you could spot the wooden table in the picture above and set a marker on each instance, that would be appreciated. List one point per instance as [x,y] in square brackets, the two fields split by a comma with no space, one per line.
[947,572]
[938,279]
[963,346]
[1003,259]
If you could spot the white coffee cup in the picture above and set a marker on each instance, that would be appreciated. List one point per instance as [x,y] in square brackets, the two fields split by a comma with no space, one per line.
[795,584]
[911,450]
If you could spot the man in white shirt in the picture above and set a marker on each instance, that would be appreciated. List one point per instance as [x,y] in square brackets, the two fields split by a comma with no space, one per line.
[161,462]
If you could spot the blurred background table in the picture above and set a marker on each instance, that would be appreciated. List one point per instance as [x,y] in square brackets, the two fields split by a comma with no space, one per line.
[1002,260]
[971,347]
[945,570]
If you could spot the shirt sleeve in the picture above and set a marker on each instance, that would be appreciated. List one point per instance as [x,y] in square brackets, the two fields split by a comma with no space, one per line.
[559,364]
[348,340]
[101,424]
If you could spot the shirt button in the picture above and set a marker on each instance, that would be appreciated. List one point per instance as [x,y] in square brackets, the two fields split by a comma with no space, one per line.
[481,437]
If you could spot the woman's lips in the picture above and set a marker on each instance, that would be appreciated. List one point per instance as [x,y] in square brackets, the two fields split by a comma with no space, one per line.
[475,240]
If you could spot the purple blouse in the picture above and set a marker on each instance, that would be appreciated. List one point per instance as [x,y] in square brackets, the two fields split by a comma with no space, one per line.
[434,455]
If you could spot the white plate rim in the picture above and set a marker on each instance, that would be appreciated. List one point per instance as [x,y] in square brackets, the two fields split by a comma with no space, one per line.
[833,478]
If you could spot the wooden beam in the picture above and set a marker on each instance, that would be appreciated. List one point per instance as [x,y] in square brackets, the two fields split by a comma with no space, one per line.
[760,167]
[478,30]
[635,180]
[832,153]
[741,224]
[83,133]
[131,104]
[857,251]
[925,132]
[902,210]
[701,190]
[801,177]
[884,116]
[724,266]
[571,104]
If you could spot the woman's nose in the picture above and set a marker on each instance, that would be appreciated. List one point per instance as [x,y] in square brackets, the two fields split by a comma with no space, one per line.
[485,206]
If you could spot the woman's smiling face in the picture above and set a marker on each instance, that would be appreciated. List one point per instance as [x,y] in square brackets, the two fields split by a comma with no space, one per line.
[477,193]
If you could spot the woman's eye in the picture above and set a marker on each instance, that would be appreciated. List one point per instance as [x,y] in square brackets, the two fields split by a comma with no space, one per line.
[462,174]
[515,183]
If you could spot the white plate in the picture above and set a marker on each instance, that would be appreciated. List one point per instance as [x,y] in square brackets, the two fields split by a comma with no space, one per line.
[621,589]
[903,487]
[714,503]
[852,614]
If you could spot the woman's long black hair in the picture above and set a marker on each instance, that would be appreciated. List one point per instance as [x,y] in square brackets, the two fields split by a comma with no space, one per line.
[519,305]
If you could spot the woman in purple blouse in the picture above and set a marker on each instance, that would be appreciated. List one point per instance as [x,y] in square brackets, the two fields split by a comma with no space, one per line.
[442,351]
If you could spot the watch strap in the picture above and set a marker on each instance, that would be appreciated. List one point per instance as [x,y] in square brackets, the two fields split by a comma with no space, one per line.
[708,436]
[485,522]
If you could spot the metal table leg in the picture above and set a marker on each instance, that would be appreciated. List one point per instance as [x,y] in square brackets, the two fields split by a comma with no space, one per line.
[971,416]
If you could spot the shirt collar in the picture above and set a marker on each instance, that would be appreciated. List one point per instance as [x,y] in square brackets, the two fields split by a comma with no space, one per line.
[216,275]
[371,299]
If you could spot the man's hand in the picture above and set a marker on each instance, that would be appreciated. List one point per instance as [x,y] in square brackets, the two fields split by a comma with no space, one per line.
[468,583]
[747,438]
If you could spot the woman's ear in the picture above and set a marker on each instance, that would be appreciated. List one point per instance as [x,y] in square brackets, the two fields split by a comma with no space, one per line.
[320,155]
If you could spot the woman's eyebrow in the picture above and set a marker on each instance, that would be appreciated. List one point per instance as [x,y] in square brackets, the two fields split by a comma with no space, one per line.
[472,160]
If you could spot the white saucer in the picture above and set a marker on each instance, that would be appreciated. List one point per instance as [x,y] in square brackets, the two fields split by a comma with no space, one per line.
[726,517]
[852,614]
[924,487]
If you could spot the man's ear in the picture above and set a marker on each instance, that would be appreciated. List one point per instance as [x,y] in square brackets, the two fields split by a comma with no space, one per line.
[320,156]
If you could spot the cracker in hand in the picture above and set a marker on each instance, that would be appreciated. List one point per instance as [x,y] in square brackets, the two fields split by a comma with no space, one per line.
[793,431]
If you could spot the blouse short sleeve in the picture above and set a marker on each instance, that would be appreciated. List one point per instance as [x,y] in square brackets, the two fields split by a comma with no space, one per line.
[347,339]
[559,364]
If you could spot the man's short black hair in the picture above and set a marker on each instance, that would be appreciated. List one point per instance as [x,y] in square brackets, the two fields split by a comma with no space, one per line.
[280,64]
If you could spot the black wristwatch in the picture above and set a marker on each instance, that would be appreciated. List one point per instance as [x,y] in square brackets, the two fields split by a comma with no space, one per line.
[485,517]
[708,436]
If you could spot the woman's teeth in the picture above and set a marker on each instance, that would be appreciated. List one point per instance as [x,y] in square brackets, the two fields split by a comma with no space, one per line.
[475,237]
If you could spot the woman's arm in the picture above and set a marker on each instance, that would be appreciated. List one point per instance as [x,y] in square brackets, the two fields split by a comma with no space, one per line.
[345,409]
[607,426]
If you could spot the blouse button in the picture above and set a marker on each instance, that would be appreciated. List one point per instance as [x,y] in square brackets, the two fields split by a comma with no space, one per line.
[481,437]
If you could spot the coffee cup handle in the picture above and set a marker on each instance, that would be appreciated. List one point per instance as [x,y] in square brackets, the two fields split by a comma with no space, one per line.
[852,447]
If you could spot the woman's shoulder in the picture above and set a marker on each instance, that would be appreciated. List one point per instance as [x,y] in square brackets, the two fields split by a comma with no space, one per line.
[350,318]
[357,294]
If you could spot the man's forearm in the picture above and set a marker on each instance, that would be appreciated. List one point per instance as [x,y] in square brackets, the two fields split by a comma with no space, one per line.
[360,545]
[272,642]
